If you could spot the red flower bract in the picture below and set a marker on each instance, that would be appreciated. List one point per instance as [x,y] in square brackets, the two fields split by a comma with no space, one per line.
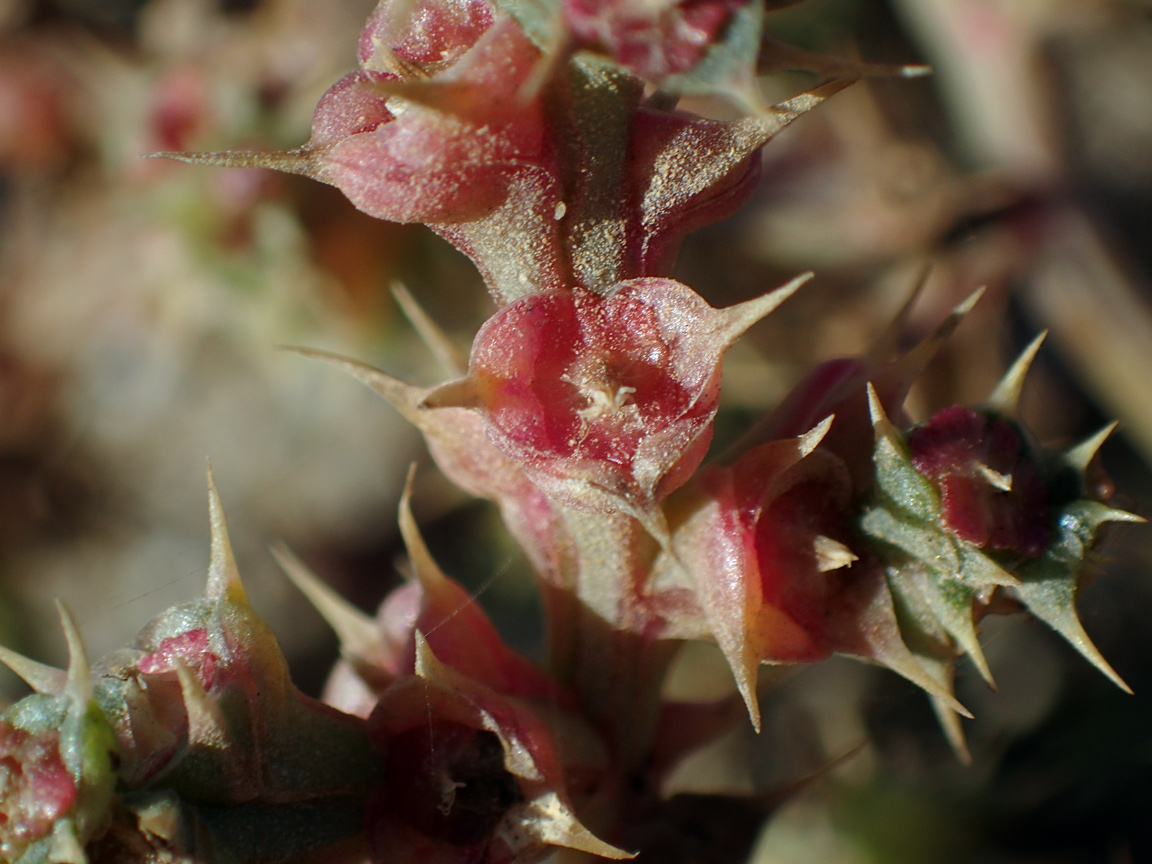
[433,34]
[36,788]
[454,162]
[616,391]
[652,40]
[192,648]
[991,494]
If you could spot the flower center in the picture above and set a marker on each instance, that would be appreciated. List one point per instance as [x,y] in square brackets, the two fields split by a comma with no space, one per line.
[602,387]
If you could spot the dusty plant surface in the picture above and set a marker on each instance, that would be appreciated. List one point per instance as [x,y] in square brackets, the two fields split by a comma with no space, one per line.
[762,418]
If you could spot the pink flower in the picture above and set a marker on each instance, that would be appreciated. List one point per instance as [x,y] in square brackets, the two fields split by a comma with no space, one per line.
[607,401]
[450,148]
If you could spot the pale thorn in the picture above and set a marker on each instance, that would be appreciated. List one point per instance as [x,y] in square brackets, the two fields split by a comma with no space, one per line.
[223,575]
[947,699]
[746,94]
[914,362]
[765,124]
[517,759]
[782,57]
[460,393]
[435,339]
[976,655]
[953,730]
[831,554]
[963,630]
[1080,455]
[555,824]
[881,425]
[357,632]
[434,95]
[889,340]
[78,684]
[300,161]
[39,676]
[1003,482]
[735,320]
[746,672]
[65,847]
[427,571]
[553,58]
[403,397]
[428,665]
[811,439]
[1067,623]
[1114,515]
[1005,399]
[205,722]
[905,663]
[160,817]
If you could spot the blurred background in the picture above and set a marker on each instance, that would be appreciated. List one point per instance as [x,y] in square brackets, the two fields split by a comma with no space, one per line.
[142,303]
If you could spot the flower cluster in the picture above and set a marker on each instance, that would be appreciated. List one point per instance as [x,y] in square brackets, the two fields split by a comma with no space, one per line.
[543,141]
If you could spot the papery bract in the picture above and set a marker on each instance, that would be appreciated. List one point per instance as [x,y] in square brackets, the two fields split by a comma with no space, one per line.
[439,163]
[684,172]
[972,511]
[459,442]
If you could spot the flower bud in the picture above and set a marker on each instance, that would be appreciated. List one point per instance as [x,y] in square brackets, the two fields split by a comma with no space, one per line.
[651,40]
[991,492]
[57,762]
